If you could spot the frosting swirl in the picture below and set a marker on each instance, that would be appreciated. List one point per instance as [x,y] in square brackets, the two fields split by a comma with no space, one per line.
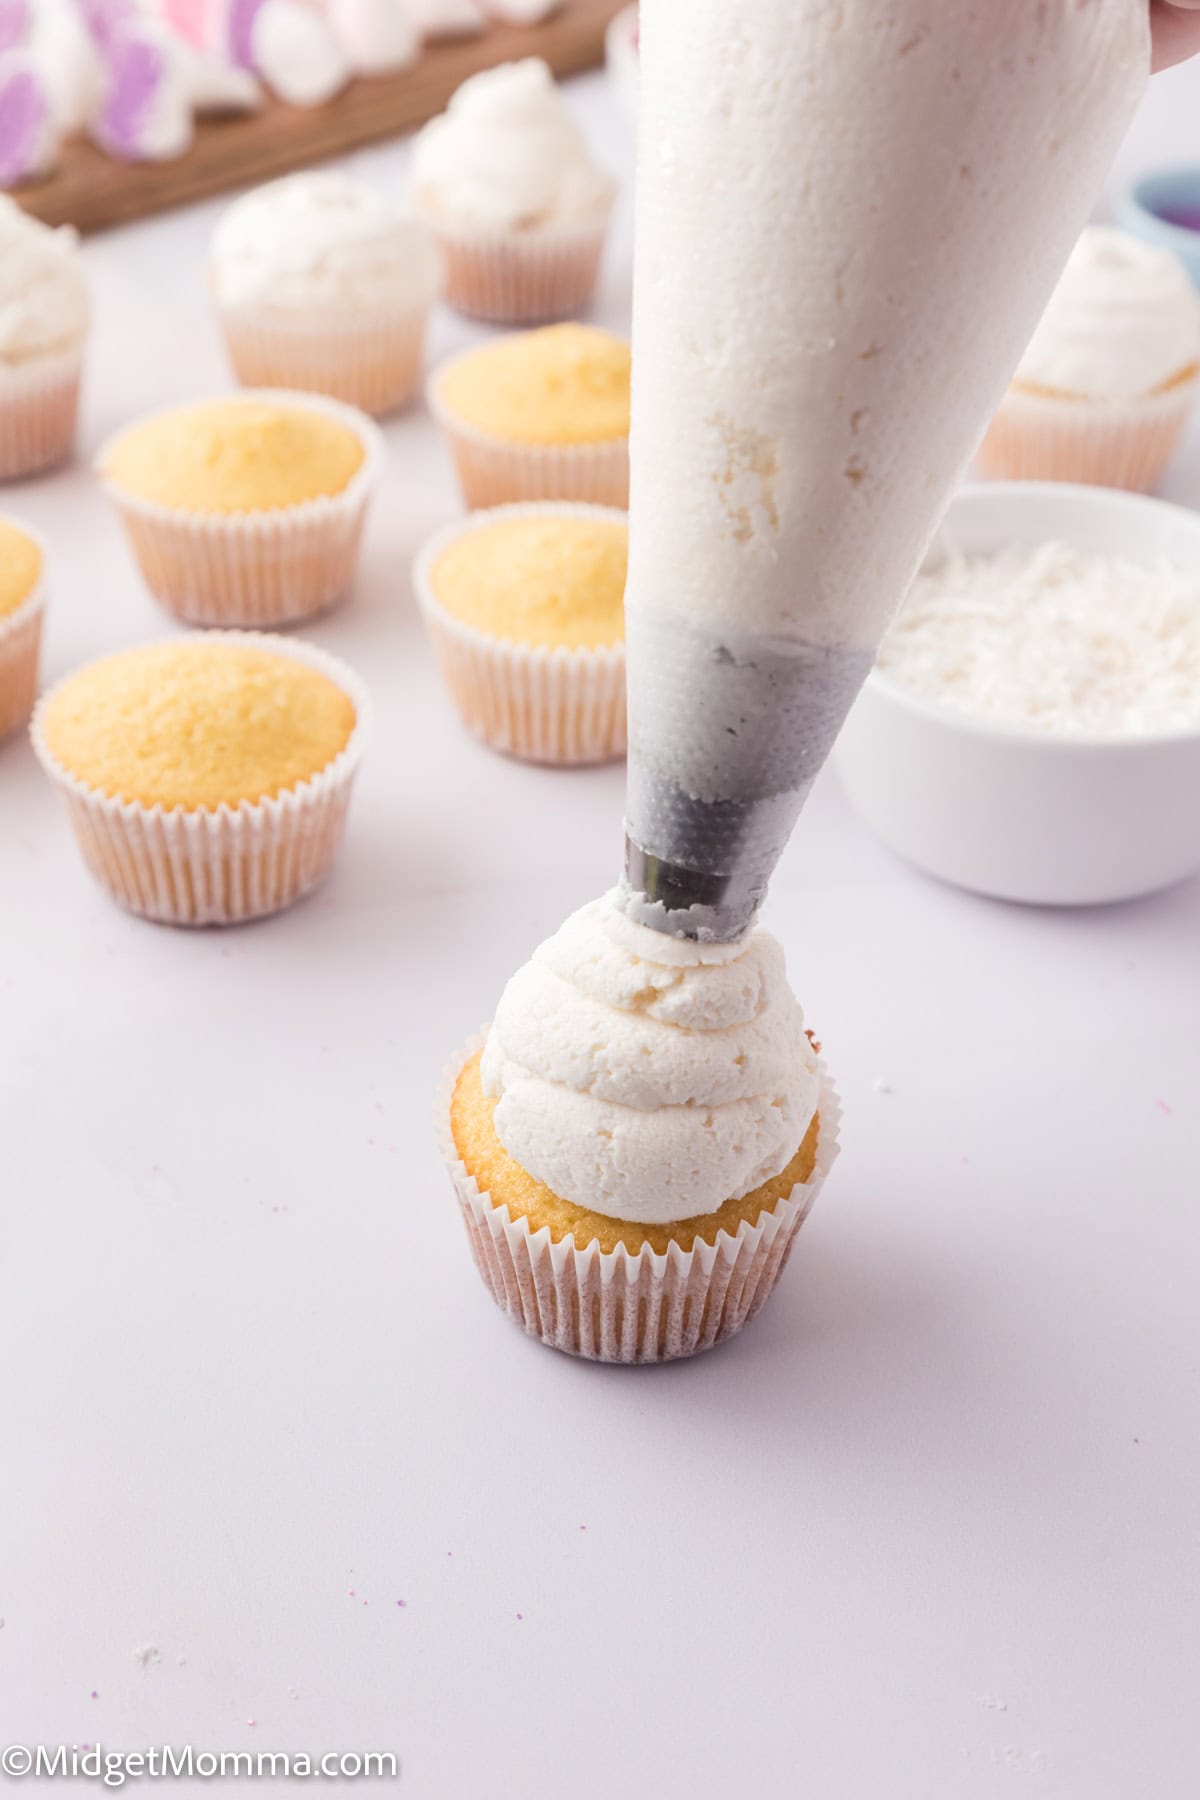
[1123,321]
[646,1077]
[317,240]
[43,296]
[506,155]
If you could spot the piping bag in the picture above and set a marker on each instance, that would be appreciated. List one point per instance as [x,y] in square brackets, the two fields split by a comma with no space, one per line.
[849,215]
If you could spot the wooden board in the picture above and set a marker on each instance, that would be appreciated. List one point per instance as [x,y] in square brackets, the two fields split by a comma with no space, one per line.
[91,191]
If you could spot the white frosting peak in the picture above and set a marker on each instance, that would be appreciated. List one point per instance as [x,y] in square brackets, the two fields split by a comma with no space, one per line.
[650,1078]
[507,155]
[317,240]
[43,296]
[1123,320]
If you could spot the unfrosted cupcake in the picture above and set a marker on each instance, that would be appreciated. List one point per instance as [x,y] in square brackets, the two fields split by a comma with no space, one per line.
[1104,389]
[206,779]
[321,285]
[638,1138]
[540,416]
[43,325]
[246,511]
[524,606]
[506,182]
[22,603]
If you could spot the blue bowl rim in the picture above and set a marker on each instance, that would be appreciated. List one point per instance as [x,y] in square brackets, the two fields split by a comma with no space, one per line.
[1187,176]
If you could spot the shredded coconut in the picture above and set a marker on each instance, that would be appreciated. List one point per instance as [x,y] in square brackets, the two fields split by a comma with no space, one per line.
[1072,643]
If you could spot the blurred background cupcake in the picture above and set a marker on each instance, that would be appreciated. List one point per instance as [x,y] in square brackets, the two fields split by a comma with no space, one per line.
[43,324]
[540,416]
[524,606]
[22,602]
[1105,386]
[320,284]
[506,182]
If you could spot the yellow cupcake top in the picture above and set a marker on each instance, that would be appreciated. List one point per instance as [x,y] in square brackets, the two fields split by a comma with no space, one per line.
[566,384]
[232,456]
[556,579]
[501,1177]
[197,722]
[20,566]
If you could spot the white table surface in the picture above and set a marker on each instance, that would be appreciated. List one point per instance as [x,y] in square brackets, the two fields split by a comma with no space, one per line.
[927,1529]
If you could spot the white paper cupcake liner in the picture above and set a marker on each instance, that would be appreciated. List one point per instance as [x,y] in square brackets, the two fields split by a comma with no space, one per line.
[526,278]
[254,569]
[39,402]
[544,705]
[225,865]
[494,471]
[371,360]
[615,1306]
[1110,443]
[20,649]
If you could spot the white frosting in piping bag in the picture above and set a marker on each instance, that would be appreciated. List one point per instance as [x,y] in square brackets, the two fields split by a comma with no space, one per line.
[848,218]
[1123,320]
[646,1077]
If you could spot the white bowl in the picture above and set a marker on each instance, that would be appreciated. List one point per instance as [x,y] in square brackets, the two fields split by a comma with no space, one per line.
[1011,811]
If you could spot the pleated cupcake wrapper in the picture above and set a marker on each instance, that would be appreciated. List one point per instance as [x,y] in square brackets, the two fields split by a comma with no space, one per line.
[494,471]
[20,648]
[521,279]
[616,1306]
[545,705]
[256,569]
[1111,443]
[225,865]
[371,360]
[39,401]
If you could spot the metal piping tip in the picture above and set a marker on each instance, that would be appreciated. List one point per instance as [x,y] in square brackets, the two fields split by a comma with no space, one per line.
[687,903]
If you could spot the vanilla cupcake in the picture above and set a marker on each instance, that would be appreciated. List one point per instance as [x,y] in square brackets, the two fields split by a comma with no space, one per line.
[505,181]
[1104,389]
[246,511]
[43,325]
[319,284]
[22,603]
[206,779]
[524,606]
[543,415]
[638,1138]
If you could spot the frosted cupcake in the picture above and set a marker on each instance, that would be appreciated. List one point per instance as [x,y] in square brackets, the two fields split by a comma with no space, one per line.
[206,779]
[1104,389]
[22,603]
[638,1138]
[505,181]
[319,284]
[247,511]
[524,606]
[43,325]
[540,416]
